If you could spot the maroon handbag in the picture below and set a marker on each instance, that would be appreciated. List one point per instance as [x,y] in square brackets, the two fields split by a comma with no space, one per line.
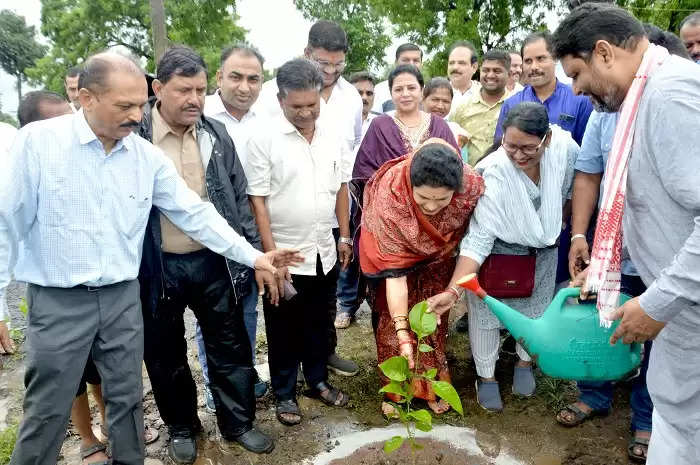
[508,276]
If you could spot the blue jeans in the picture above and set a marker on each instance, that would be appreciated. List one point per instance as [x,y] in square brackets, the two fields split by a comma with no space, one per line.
[598,396]
[250,319]
[347,291]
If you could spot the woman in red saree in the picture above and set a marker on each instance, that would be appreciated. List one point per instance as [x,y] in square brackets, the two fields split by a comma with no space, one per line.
[416,210]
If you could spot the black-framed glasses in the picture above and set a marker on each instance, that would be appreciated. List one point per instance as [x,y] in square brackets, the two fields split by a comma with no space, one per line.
[526,149]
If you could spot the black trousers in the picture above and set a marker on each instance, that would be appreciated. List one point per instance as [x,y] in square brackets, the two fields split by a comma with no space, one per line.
[200,281]
[297,331]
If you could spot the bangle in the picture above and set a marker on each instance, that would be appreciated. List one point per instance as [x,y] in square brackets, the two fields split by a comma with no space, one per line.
[406,342]
[400,318]
[401,329]
[453,291]
[577,236]
[346,240]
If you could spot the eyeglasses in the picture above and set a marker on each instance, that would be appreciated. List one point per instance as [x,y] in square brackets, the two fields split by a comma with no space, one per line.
[327,65]
[526,149]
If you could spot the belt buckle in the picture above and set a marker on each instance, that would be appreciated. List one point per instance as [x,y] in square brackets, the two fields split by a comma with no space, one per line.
[92,288]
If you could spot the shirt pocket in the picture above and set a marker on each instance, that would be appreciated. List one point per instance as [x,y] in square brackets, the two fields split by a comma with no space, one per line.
[331,175]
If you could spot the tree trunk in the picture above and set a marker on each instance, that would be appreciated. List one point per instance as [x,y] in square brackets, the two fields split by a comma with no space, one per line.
[19,88]
[160,38]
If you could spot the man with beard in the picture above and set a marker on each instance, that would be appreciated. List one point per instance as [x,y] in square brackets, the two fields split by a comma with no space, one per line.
[75,196]
[596,398]
[298,168]
[568,111]
[179,272]
[516,71]
[462,63]
[341,107]
[690,35]
[239,79]
[406,54]
[479,113]
[654,196]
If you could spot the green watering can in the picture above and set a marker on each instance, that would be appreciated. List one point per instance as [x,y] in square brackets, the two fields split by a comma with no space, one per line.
[567,341]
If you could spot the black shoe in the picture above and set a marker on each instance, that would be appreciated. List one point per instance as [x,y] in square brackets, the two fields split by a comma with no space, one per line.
[182,448]
[255,441]
[462,325]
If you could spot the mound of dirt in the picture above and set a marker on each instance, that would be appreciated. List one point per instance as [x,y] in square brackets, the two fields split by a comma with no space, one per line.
[433,452]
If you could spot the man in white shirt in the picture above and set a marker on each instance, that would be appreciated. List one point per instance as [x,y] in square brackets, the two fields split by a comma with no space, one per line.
[70,83]
[341,109]
[364,83]
[406,54]
[516,71]
[462,63]
[297,171]
[239,80]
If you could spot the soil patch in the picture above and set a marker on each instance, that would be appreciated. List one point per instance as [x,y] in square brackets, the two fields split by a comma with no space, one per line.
[433,452]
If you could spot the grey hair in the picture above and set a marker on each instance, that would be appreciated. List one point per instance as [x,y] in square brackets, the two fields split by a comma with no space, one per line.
[98,67]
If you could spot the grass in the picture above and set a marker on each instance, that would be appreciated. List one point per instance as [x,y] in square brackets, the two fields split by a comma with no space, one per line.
[556,393]
[8,437]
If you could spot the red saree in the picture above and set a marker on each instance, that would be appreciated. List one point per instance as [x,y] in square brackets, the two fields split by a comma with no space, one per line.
[397,239]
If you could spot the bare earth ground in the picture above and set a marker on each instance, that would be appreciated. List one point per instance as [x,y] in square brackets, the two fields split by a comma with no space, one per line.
[526,428]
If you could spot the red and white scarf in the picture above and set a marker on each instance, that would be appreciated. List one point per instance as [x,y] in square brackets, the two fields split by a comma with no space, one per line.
[606,256]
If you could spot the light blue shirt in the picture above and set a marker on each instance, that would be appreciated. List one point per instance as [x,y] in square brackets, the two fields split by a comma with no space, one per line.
[81,214]
[593,157]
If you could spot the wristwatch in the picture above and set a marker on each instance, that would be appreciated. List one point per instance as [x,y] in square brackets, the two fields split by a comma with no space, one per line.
[345,240]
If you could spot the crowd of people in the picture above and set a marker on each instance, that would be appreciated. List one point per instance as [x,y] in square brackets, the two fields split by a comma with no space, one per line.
[139,197]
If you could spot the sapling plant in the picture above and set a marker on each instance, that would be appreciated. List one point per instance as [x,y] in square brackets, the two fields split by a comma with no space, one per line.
[401,378]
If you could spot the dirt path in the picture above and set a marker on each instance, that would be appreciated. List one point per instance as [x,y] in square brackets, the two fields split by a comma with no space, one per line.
[526,428]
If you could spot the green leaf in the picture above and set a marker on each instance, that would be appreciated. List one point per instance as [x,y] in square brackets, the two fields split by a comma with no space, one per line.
[425,348]
[430,374]
[421,416]
[422,322]
[395,368]
[392,444]
[448,393]
[394,388]
[425,427]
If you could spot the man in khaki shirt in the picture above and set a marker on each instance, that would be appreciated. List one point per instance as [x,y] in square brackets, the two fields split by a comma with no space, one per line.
[478,115]
[179,272]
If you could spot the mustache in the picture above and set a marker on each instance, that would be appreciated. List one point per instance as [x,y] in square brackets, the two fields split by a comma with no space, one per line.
[191,107]
[130,124]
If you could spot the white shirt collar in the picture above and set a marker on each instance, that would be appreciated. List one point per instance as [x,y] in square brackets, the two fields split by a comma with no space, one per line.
[214,105]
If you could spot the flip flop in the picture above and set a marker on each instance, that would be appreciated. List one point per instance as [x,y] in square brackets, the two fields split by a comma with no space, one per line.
[579,416]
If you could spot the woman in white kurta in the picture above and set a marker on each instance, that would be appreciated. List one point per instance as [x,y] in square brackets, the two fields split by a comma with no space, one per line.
[528,181]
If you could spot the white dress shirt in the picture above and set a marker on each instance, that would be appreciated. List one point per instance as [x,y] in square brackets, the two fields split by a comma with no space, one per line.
[459,97]
[343,110]
[81,214]
[382,93]
[300,181]
[7,135]
[239,131]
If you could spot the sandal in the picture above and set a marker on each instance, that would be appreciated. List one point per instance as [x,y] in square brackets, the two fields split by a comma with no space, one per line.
[333,398]
[579,416]
[640,444]
[288,407]
[342,320]
[94,449]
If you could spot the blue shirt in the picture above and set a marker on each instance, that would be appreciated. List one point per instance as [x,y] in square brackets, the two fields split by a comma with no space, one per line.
[81,214]
[566,110]
[593,157]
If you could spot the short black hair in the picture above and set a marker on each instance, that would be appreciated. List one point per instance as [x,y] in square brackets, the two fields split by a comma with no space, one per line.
[179,60]
[437,165]
[500,56]
[435,84]
[668,40]
[536,37]
[575,3]
[28,110]
[591,22]
[408,47]
[465,44]
[529,117]
[97,68]
[241,49]
[328,36]
[361,76]
[693,19]
[73,71]
[406,69]
[298,74]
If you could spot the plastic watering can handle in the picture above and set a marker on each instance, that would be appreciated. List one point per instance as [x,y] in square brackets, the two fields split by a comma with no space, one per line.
[562,295]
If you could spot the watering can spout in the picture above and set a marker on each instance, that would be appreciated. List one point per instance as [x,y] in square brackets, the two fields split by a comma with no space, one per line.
[520,326]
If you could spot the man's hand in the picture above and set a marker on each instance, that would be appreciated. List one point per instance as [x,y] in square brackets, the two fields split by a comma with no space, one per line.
[441,303]
[277,258]
[580,281]
[344,254]
[6,344]
[268,281]
[579,258]
[636,325]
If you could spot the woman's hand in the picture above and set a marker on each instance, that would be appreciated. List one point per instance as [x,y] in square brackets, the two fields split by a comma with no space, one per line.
[441,303]
[406,348]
